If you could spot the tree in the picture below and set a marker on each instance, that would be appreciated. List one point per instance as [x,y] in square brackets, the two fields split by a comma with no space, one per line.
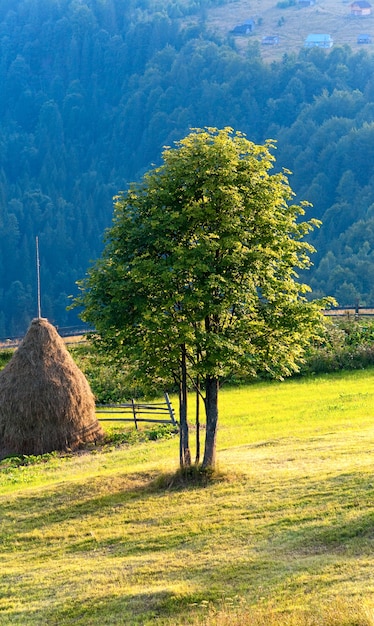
[197,279]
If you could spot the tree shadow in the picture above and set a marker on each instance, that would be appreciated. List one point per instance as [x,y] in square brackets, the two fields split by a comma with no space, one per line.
[68,501]
[134,609]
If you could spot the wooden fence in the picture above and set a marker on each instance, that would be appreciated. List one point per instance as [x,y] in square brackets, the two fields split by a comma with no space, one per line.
[164,410]
[353,312]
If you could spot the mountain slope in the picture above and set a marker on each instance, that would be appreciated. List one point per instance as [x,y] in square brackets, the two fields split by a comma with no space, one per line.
[92,91]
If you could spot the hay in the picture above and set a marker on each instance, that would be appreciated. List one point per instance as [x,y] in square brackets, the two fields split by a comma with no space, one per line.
[46,402]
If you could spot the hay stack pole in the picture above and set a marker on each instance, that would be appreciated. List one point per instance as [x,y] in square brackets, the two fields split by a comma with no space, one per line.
[38,276]
[45,400]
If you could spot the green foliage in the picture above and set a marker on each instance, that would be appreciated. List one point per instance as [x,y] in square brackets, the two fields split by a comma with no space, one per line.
[89,94]
[345,345]
[118,436]
[112,378]
[62,79]
[11,462]
[198,276]
[203,253]
[108,377]
[5,356]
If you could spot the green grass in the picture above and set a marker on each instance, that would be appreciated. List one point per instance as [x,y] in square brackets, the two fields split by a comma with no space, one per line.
[283,535]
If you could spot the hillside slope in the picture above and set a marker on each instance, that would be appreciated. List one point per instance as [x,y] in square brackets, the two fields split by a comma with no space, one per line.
[291,24]
[91,92]
[283,537]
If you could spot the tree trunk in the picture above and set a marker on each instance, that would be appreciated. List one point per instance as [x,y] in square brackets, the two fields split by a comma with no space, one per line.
[197,459]
[211,410]
[184,450]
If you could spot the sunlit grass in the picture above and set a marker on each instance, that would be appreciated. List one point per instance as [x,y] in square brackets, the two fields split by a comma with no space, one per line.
[283,536]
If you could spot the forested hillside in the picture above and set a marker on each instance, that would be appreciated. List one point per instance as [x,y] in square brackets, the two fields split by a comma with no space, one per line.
[92,90]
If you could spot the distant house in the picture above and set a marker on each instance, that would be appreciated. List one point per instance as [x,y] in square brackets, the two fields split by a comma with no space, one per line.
[360,8]
[319,40]
[243,29]
[270,40]
[364,39]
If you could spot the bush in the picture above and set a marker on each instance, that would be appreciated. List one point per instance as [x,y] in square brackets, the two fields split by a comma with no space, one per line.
[5,356]
[112,381]
[346,345]
[118,436]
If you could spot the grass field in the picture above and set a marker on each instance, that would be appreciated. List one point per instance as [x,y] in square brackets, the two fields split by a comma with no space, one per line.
[292,24]
[283,535]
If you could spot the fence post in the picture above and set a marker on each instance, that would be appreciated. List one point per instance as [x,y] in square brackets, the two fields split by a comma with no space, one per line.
[170,408]
[134,412]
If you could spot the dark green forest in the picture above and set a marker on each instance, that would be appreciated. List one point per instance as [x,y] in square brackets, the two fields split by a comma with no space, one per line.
[91,91]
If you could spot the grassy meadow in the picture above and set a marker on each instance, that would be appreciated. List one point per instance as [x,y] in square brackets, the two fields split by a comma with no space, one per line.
[283,535]
[291,23]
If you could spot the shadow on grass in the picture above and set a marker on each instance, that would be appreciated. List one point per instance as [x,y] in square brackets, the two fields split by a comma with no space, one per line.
[353,536]
[350,529]
[186,478]
[345,523]
[71,500]
[134,610]
[168,609]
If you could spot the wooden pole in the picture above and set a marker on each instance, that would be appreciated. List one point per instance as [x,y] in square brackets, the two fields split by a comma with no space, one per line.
[170,409]
[133,403]
[38,277]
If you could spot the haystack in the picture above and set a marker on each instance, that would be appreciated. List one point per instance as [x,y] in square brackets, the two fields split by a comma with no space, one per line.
[46,402]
